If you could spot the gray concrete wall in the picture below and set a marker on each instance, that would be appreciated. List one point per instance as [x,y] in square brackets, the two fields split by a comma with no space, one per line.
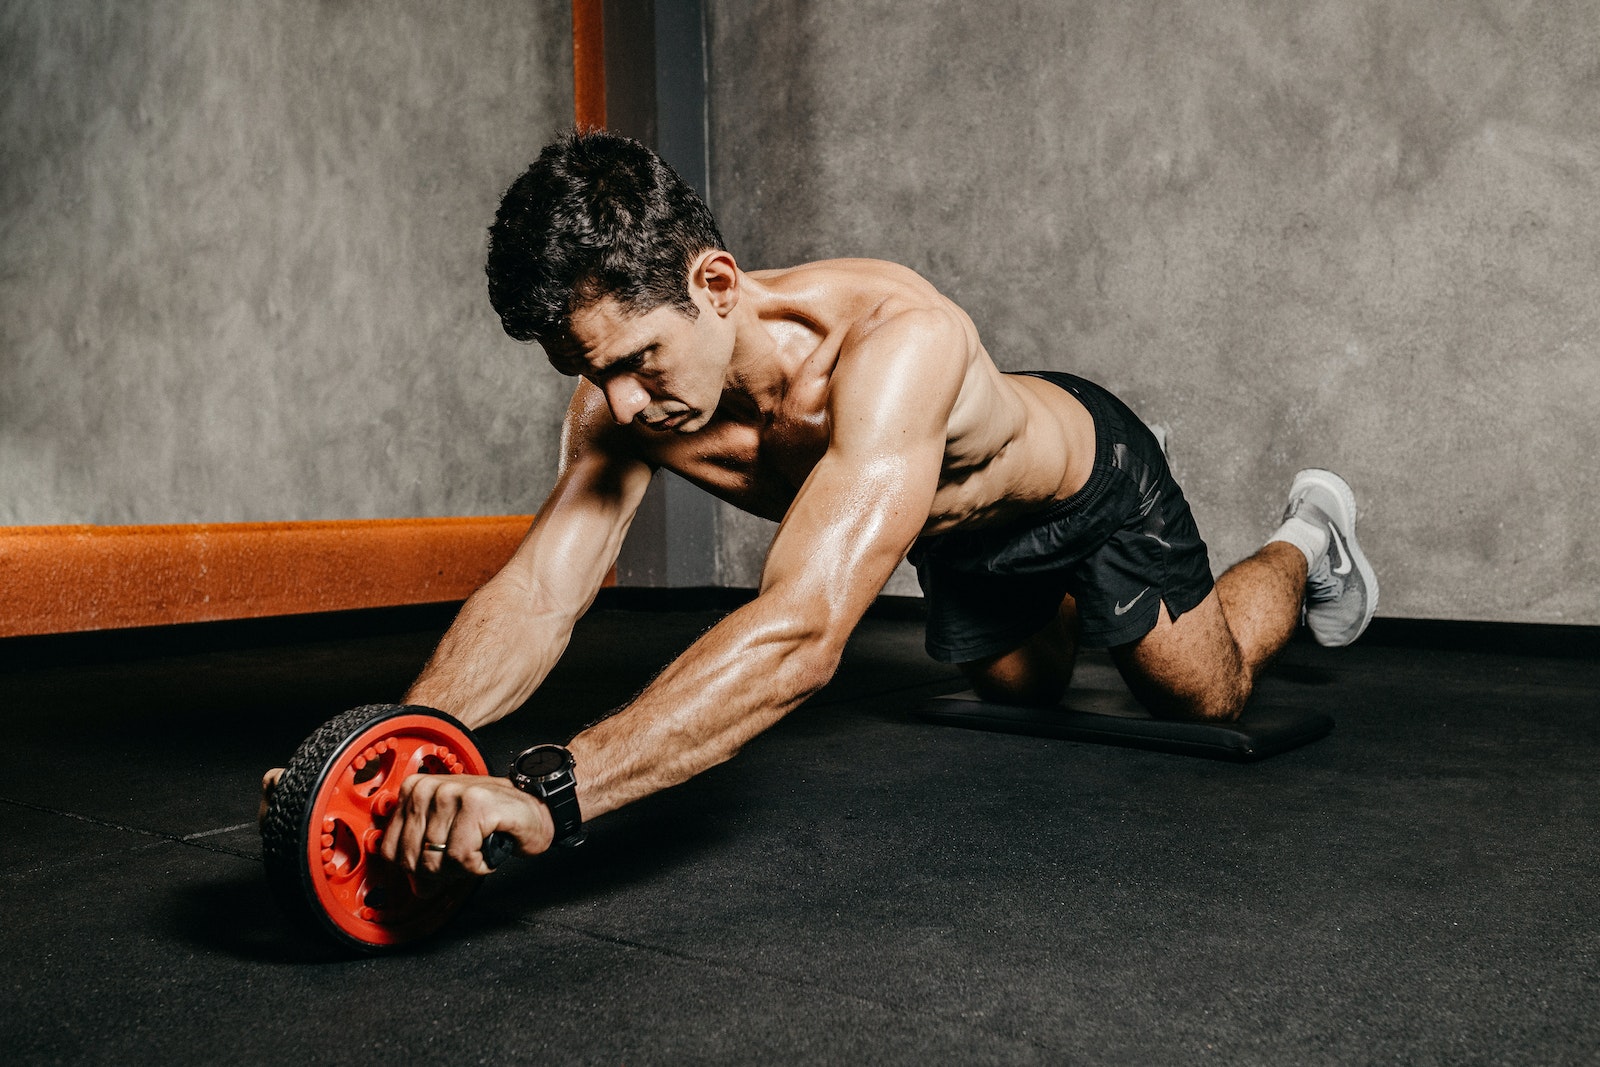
[1362,234]
[241,258]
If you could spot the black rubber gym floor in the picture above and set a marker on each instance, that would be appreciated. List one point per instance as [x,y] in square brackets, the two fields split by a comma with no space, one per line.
[856,887]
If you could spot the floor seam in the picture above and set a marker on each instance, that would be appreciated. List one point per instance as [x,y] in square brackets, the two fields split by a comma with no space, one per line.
[178,839]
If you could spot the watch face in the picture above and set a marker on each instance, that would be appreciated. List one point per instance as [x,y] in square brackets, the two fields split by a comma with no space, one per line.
[542,761]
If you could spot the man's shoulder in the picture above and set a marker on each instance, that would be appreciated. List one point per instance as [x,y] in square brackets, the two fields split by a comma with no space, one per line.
[840,265]
[853,281]
[924,341]
[859,297]
[589,433]
[873,317]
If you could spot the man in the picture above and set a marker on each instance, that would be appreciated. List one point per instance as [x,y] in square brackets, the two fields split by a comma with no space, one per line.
[853,403]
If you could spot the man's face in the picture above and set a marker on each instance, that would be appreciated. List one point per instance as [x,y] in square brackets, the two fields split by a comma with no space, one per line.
[660,367]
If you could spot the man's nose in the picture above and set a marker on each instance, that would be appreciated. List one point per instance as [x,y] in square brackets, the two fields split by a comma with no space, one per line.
[626,398]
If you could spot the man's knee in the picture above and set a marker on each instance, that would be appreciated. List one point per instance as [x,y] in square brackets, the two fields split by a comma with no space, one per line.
[1021,691]
[1035,675]
[1220,700]
[1221,703]
[1020,679]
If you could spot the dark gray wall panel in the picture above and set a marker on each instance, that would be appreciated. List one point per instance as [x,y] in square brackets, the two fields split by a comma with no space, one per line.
[241,257]
[1357,234]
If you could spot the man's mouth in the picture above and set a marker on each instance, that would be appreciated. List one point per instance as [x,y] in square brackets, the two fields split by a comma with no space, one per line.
[670,422]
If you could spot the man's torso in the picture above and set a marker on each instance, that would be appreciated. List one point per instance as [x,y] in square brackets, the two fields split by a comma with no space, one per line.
[1013,444]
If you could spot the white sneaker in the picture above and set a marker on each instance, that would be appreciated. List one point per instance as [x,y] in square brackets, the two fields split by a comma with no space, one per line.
[1341,589]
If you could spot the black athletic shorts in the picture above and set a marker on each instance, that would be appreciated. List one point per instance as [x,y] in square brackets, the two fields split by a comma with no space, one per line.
[1122,545]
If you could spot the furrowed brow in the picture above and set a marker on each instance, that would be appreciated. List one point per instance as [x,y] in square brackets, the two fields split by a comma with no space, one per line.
[628,362]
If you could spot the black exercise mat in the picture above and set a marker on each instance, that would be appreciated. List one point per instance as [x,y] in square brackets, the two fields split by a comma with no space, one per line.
[1117,720]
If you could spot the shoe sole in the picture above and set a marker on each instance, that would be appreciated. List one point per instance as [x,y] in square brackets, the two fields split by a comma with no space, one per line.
[1342,492]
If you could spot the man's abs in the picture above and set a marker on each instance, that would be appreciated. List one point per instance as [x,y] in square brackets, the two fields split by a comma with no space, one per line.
[1045,457]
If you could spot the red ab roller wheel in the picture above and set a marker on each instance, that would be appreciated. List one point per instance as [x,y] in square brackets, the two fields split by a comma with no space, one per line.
[327,816]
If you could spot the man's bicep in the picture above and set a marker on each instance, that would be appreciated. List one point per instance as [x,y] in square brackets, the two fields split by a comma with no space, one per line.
[871,494]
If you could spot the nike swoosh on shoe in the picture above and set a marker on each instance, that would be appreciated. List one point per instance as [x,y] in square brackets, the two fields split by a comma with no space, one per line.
[1336,541]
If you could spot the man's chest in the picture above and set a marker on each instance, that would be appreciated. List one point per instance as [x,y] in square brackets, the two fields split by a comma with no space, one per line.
[756,468]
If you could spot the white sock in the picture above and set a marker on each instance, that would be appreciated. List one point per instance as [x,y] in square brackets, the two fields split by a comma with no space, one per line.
[1308,537]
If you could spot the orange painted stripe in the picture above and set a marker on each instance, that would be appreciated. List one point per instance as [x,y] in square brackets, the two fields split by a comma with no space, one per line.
[64,579]
[588,65]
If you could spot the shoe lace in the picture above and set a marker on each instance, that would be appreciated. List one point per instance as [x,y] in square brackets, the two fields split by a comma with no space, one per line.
[1322,585]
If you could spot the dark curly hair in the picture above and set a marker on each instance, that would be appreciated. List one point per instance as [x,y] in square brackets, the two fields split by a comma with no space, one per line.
[596,215]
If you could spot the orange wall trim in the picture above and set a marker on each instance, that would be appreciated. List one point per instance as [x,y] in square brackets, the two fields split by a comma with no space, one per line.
[588,64]
[63,579]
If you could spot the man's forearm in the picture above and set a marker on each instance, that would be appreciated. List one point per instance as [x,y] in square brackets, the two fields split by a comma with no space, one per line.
[495,654]
[739,679]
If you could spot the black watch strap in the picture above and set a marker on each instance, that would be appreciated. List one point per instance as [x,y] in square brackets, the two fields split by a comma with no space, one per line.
[546,772]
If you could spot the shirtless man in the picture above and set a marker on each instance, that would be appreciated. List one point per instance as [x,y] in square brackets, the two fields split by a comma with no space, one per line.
[853,403]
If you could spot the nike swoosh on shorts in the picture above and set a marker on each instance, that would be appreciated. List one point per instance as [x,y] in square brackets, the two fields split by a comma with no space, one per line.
[1123,609]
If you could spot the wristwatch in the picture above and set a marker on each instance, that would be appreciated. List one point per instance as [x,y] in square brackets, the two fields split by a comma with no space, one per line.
[545,771]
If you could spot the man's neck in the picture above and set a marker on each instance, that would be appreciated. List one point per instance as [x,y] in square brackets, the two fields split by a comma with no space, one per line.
[759,371]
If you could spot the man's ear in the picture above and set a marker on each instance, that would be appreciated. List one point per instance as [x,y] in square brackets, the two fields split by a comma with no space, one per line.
[716,275]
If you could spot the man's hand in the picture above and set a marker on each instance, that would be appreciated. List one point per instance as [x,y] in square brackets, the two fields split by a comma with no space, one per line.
[460,811]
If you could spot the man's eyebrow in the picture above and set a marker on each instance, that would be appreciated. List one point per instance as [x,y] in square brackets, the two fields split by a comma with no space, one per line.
[632,359]
[572,364]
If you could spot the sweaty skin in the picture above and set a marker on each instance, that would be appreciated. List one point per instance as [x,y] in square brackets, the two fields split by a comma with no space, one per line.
[849,401]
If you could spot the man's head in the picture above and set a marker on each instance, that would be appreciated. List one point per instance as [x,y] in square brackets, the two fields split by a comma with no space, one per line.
[597,215]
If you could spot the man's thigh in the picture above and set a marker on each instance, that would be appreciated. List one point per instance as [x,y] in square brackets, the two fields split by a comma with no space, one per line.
[1188,668]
